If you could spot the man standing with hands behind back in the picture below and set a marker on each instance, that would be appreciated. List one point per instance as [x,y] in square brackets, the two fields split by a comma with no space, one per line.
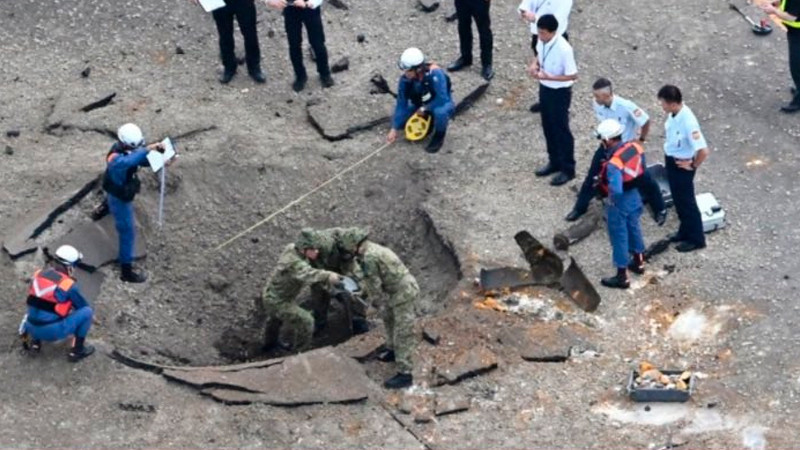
[245,13]
[556,71]
[297,13]
[685,149]
[789,12]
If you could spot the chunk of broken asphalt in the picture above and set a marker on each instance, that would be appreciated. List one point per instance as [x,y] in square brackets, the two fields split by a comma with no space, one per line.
[432,337]
[85,72]
[103,102]
[338,4]
[341,65]
[451,404]
[361,38]
[179,50]
[12,133]
[427,6]
[469,363]
[9,151]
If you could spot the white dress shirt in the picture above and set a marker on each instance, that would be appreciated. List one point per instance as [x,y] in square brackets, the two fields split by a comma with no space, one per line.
[625,112]
[556,58]
[559,8]
[683,138]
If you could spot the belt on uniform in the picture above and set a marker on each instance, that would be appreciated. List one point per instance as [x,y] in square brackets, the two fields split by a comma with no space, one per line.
[39,323]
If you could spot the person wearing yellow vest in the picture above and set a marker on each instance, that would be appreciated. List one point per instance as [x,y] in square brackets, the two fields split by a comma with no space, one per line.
[617,183]
[56,308]
[789,13]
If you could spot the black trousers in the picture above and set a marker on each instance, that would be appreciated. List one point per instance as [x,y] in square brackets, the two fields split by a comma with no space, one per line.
[294,19]
[467,10]
[681,183]
[647,185]
[793,37]
[535,40]
[555,123]
[245,13]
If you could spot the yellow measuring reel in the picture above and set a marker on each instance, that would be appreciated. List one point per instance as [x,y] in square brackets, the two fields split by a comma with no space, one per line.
[417,127]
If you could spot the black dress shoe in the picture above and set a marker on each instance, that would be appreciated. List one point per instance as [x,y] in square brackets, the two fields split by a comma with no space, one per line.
[487,73]
[436,142]
[536,108]
[686,246]
[399,381]
[258,76]
[227,76]
[574,215]
[460,63]
[792,107]
[675,237]
[561,178]
[326,80]
[546,170]
[299,84]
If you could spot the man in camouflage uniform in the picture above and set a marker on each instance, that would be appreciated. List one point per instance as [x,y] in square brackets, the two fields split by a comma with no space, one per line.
[285,318]
[333,257]
[381,274]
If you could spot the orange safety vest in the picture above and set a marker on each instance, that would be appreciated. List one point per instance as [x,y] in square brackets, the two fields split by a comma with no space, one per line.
[42,292]
[628,159]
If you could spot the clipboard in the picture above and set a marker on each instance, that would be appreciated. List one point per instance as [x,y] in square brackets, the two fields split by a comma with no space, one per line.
[211,5]
[157,160]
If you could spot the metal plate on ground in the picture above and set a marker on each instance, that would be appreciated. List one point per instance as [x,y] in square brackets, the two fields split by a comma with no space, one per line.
[579,288]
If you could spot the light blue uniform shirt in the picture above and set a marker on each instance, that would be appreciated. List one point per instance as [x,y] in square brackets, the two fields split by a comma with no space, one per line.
[683,138]
[625,112]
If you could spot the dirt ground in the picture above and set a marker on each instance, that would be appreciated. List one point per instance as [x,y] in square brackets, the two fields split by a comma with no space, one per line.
[728,312]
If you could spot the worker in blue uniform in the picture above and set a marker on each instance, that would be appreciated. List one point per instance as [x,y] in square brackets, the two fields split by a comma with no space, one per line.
[56,308]
[121,183]
[617,181]
[424,88]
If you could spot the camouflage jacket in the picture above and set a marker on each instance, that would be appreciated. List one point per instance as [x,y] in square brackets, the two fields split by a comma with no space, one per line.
[379,270]
[292,273]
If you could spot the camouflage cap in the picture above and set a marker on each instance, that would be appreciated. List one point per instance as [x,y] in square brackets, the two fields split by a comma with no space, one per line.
[307,239]
[350,238]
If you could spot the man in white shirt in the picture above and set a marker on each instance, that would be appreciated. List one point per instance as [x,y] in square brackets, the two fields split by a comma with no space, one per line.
[685,149]
[531,10]
[556,71]
[636,127]
[297,13]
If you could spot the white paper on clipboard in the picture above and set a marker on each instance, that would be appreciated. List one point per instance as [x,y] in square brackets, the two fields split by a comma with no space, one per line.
[157,160]
[211,5]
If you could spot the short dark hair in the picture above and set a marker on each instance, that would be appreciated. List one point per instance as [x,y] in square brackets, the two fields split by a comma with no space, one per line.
[601,83]
[670,94]
[547,22]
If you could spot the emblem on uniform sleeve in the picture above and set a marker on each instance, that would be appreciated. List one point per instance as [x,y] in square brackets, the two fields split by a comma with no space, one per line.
[638,112]
[696,135]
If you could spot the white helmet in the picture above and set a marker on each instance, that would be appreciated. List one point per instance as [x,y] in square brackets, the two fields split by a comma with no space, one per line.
[411,58]
[609,129]
[130,135]
[68,255]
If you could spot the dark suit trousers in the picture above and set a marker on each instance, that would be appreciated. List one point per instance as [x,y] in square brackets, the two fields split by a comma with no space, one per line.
[681,183]
[466,11]
[555,123]
[294,19]
[245,13]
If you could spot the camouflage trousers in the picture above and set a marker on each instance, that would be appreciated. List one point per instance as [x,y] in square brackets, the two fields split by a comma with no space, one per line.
[290,323]
[398,319]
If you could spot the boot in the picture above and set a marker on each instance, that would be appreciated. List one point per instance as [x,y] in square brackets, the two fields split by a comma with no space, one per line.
[620,281]
[399,381]
[436,142]
[129,276]
[386,355]
[360,325]
[637,264]
[100,211]
[80,350]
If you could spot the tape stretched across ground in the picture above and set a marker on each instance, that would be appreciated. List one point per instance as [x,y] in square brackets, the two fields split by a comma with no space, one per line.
[303,197]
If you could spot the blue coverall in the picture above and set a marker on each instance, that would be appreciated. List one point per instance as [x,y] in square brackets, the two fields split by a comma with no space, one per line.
[441,105]
[123,211]
[77,323]
[623,211]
